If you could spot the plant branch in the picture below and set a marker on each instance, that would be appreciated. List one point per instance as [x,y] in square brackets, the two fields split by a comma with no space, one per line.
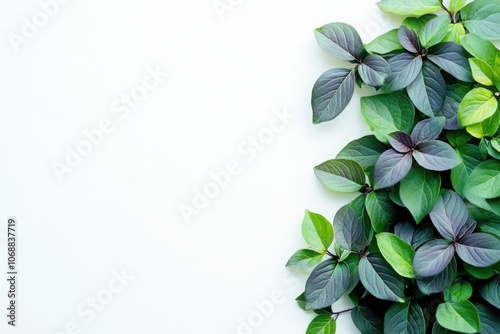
[452,17]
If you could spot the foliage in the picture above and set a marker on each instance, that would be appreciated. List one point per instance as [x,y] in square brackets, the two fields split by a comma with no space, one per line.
[418,250]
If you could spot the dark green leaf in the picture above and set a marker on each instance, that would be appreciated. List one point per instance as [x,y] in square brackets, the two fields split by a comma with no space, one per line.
[459,316]
[365,150]
[380,279]
[405,318]
[471,157]
[331,93]
[391,168]
[367,320]
[374,70]
[305,258]
[423,233]
[351,228]
[482,17]
[458,138]
[405,68]
[479,249]
[327,283]
[419,191]
[439,282]
[432,258]
[490,319]
[322,324]
[480,273]
[317,231]
[341,175]
[380,210]
[452,58]
[428,90]
[388,113]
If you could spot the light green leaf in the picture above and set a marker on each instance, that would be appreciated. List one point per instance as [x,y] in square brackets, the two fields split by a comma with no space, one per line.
[305,258]
[456,5]
[341,175]
[459,316]
[454,33]
[480,48]
[482,17]
[434,31]
[459,292]
[419,191]
[397,252]
[388,113]
[484,181]
[385,43]
[479,104]
[486,128]
[482,71]
[417,23]
[414,7]
[317,231]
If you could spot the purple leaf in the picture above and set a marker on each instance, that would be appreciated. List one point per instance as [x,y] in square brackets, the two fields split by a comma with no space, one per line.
[428,129]
[449,215]
[433,257]
[401,142]
[479,249]
[391,168]
[436,155]
[408,39]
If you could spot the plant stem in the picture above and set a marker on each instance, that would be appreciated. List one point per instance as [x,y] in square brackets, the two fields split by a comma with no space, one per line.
[330,253]
[340,312]
[449,13]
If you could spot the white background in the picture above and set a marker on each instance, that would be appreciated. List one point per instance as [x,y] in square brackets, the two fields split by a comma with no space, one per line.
[119,209]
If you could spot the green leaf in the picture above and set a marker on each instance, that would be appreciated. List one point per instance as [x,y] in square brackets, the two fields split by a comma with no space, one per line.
[490,319]
[340,40]
[365,151]
[331,93]
[419,191]
[486,128]
[380,210]
[341,175]
[482,17]
[317,231]
[405,318]
[478,272]
[457,138]
[452,58]
[456,5]
[454,96]
[397,253]
[428,90]
[322,324]
[327,283]
[415,7]
[385,43]
[417,23]
[434,31]
[480,48]
[491,291]
[479,104]
[482,71]
[459,316]
[380,279]
[484,181]
[459,292]
[454,32]
[367,320]
[405,68]
[388,113]
[305,258]
[373,70]
[461,173]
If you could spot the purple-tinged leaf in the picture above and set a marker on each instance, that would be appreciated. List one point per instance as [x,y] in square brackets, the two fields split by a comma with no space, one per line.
[428,90]
[467,229]
[479,249]
[428,129]
[405,231]
[441,281]
[327,283]
[374,70]
[452,58]
[432,257]
[449,215]
[436,155]
[401,142]
[491,291]
[340,40]
[405,67]
[408,39]
[391,168]
[454,96]
[380,279]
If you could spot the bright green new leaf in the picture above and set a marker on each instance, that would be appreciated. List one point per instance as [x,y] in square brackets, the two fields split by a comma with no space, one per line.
[486,128]
[479,104]
[414,7]
[386,43]
[397,252]
[459,292]
[305,258]
[317,231]
[456,5]
[459,316]
[434,31]
[484,181]
[322,324]
[454,33]
[482,71]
